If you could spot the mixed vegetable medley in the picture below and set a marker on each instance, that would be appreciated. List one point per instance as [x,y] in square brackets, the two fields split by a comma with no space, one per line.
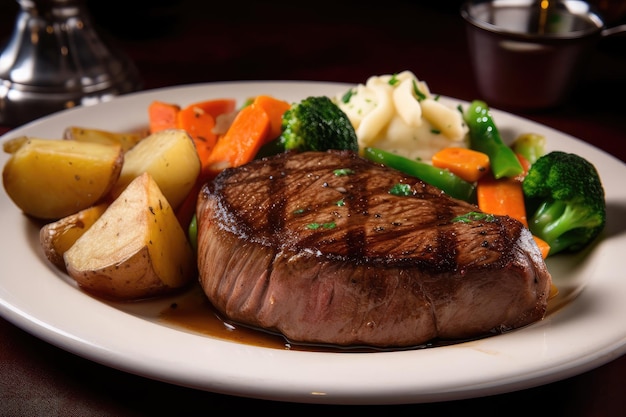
[70,183]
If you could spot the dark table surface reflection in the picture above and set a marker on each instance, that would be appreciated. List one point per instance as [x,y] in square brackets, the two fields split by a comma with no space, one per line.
[174,42]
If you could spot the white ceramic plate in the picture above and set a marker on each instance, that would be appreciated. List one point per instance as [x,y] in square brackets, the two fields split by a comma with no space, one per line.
[587,330]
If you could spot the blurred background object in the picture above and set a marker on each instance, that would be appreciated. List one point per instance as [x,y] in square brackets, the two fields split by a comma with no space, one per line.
[527,54]
[177,42]
[55,59]
[141,19]
[613,11]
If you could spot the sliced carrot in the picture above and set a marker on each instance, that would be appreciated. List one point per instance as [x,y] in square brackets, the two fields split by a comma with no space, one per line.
[525,166]
[275,108]
[185,212]
[199,120]
[162,115]
[525,162]
[506,197]
[466,163]
[240,143]
[502,196]
[544,247]
[199,125]
[217,106]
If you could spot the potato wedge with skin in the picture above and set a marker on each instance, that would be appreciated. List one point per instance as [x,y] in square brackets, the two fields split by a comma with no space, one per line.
[171,159]
[57,237]
[12,145]
[82,134]
[136,249]
[53,178]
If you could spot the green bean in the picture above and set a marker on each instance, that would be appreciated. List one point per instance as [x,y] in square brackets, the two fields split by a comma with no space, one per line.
[451,184]
[192,232]
[485,137]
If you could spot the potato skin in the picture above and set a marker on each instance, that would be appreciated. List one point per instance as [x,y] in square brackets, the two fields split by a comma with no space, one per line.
[49,179]
[136,249]
[132,279]
[57,237]
[83,134]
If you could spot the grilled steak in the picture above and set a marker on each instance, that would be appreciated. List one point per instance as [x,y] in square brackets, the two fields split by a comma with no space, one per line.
[315,246]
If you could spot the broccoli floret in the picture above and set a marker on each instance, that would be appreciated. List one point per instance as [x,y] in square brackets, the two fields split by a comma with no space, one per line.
[317,124]
[565,201]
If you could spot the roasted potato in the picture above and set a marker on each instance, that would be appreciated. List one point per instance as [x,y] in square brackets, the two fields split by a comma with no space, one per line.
[171,159]
[53,178]
[57,237]
[82,134]
[136,249]
[12,145]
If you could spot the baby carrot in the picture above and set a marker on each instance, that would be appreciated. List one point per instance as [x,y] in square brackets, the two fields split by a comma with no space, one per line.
[544,248]
[502,196]
[199,119]
[216,106]
[274,109]
[525,163]
[241,142]
[162,115]
[466,163]
[199,125]
[187,209]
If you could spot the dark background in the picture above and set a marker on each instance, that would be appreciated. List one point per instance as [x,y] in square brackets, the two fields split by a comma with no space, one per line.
[175,42]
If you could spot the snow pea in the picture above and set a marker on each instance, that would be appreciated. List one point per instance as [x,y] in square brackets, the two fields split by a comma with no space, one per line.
[451,184]
[485,137]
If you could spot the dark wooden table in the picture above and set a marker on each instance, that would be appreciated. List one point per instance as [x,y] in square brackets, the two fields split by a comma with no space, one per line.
[175,42]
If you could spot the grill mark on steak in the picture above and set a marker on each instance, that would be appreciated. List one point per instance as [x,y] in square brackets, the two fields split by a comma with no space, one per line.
[394,271]
[355,238]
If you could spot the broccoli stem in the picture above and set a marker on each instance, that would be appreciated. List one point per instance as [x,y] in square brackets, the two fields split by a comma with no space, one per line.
[485,137]
[443,179]
[559,224]
[548,219]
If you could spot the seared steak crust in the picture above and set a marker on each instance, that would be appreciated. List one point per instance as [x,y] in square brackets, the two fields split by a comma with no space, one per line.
[314,246]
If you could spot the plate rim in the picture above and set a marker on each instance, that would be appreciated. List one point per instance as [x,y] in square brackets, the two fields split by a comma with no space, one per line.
[278,384]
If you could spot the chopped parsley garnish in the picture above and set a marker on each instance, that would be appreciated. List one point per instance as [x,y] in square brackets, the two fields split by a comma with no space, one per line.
[435,131]
[394,79]
[315,226]
[343,171]
[420,96]
[299,211]
[347,96]
[474,216]
[401,190]
[340,203]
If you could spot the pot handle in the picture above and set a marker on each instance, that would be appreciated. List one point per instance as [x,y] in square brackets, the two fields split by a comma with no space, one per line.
[615,30]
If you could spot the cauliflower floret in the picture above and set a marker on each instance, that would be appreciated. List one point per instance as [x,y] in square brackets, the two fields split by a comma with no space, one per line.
[418,143]
[369,109]
[445,119]
[398,113]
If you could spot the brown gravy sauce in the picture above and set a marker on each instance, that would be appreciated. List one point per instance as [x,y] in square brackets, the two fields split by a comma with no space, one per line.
[193,311]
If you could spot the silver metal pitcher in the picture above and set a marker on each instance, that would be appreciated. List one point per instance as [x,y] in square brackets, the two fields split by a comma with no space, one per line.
[56,60]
